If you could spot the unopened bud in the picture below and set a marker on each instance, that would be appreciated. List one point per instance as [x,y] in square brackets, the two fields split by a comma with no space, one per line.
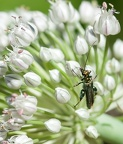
[53,125]
[83,113]
[92,132]
[81,46]
[32,79]
[72,68]
[62,95]
[13,81]
[91,37]
[109,82]
[55,75]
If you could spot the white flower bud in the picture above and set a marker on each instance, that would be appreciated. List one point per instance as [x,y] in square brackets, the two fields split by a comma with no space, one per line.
[102,42]
[13,120]
[100,89]
[55,75]
[109,82]
[83,113]
[18,64]
[61,12]
[3,134]
[20,138]
[23,34]
[32,79]
[3,42]
[26,105]
[76,17]
[13,81]
[91,37]
[81,46]
[90,68]
[3,68]
[87,15]
[26,56]
[113,66]
[40,20]
[107,23]
[72,68]
[118,48]
[92,132]
[47,54]
[62,95]
[57,55]
[53,125]
[20,60]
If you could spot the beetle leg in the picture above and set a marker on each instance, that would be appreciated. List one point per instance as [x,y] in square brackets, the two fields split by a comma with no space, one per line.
[82,93]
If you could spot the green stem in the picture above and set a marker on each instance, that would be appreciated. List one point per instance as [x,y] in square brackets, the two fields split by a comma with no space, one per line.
[48,88]
[104,56]
[69,35]
[70,39]
[96,58]
[110,129]
[80,28]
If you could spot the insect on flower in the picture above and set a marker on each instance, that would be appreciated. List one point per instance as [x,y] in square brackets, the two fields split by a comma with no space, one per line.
[88,89]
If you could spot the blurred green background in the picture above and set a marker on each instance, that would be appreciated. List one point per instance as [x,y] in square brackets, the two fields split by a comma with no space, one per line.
[43,6]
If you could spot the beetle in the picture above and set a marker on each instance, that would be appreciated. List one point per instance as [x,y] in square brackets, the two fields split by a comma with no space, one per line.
[88,89]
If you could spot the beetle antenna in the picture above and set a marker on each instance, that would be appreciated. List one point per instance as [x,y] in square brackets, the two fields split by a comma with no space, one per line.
[87,58]
[88,54]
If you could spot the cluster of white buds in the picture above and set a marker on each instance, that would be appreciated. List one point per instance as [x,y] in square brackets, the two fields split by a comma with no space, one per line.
[47,54]
[20,60]
[23,34]
[15,81]
[56,51]
[17,139]
[24,107]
